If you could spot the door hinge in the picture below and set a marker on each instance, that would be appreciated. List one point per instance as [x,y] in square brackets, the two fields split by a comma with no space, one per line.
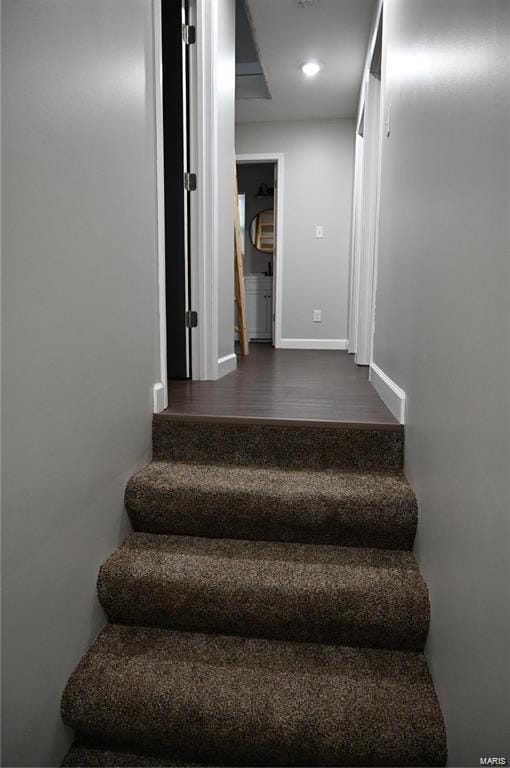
[189,34]
[191,319]
[190,182]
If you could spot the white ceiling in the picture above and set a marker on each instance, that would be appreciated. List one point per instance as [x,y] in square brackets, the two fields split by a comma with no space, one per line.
[333,32]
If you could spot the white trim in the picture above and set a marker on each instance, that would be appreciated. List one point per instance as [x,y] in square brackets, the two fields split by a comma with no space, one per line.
[313,343]
[204,214]
[278,158]
[355,247]
[160,396]
[391,394]
[366,200]
[380,140]
[369,225]
[227,364]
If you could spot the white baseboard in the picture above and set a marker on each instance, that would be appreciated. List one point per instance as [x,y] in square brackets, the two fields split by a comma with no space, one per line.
[312,343]
[227,364]
[390,393]
[160,397]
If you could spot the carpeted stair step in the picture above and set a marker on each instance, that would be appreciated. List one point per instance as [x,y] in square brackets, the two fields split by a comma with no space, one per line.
[276,445]
[83,754]
[350,596]
[272,504]
[243,701]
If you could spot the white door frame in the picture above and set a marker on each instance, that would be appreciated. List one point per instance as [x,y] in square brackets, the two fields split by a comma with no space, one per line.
[204,225]
[278,159]
[160,389]
[354,289]
[369,208]
[366,203]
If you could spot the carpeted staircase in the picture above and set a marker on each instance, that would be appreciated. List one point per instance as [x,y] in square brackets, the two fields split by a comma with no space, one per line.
[267,611]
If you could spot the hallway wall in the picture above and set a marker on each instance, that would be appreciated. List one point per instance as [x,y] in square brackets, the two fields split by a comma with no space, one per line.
[80,332]
[318,157]
[442,334]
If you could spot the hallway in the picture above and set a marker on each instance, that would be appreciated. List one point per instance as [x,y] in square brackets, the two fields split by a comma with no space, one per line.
[317,386]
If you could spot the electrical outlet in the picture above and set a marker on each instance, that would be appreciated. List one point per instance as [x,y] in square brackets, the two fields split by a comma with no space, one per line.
[317,315]
[319,231]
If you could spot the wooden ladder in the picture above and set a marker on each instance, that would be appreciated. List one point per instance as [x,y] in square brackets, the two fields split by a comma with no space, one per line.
[239,291]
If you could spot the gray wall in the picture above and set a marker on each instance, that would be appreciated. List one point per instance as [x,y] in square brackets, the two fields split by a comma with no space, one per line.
[319,156]
[249,179]
[442,334]
[80,333]
[225,16]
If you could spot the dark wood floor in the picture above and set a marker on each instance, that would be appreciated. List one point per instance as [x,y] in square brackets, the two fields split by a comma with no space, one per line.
[285,385]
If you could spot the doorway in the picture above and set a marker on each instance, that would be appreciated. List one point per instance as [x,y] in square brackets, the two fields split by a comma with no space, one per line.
[260,191]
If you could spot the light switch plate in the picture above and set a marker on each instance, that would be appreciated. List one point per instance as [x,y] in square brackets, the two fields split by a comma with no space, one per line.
[317,315]
[319,231]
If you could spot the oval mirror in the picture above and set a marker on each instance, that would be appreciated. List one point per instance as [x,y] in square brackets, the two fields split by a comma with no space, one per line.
[262,231]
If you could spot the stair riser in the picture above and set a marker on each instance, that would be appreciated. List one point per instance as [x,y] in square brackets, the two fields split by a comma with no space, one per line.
[228,514]
[382,611]
[278,446]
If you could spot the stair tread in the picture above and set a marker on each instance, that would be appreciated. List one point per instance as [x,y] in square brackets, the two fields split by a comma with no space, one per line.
[248,701]
[343,595]
[291,482]
[319,506]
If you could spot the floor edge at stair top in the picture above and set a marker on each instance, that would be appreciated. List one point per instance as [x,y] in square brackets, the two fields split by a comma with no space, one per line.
[210,418]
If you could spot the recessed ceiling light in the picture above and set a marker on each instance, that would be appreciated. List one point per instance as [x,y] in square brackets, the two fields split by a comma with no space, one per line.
[311,68]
